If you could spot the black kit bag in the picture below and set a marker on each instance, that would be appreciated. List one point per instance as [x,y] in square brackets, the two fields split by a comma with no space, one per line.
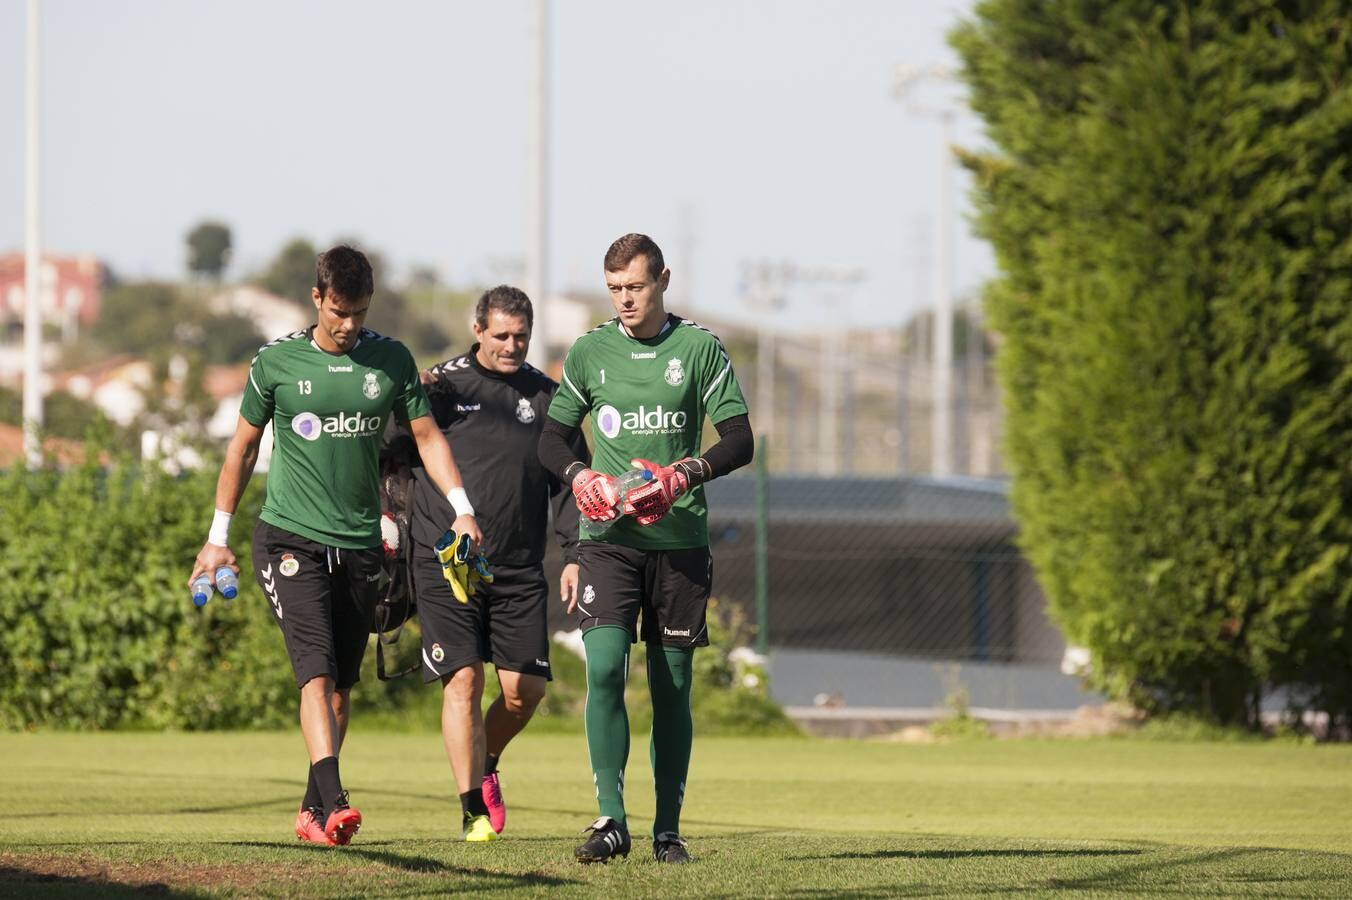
[397,604]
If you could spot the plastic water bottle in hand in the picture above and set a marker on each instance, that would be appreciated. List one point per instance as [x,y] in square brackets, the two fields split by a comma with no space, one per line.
[201,589]
[625,483]
[227,582]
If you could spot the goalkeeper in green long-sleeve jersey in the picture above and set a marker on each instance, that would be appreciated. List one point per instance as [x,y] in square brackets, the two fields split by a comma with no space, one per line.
[648,379]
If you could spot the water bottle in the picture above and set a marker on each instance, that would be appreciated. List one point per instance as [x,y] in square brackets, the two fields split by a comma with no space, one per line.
[625,483]
[227,582]
[201,589]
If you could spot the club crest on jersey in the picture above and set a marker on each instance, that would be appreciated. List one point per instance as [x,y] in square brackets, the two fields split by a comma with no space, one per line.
[370,386]
[674,374]
[524,413]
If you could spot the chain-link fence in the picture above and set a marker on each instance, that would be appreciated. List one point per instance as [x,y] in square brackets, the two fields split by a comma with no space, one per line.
[913,567]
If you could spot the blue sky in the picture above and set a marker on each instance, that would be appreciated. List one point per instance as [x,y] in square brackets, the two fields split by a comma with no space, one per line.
[728,130]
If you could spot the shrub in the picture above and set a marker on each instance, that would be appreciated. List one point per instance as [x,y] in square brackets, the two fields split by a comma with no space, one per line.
[96,629]
[1170,205]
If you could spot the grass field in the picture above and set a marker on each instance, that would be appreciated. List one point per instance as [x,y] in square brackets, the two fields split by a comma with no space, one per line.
[201,815]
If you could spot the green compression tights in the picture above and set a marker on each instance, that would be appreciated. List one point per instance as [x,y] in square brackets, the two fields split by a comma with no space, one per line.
[673,732]
[606,718]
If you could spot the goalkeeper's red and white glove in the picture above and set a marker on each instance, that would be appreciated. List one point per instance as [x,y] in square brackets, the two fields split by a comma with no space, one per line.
[596,495]
[389,535]
[650,502]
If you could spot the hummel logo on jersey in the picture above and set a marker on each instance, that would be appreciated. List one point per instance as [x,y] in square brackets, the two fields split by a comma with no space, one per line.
[467,407]
[651,355]
[542,662]
[675,632]
[657,420]
[340,368]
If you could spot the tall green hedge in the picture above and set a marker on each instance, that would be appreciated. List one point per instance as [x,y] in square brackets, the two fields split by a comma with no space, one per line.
[1169,200]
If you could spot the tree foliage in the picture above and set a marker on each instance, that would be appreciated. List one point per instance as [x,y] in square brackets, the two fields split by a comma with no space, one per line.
[209,249]
[291,274]
[1169,201]
[151,318]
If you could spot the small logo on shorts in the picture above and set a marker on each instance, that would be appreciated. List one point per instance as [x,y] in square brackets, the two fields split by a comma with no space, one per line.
[437,653]
[542,662]
[675,632]
[375,576]
[370,386]
[589,594]
[290,565]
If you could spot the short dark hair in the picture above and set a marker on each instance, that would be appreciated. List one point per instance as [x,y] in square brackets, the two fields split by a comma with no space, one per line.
[623,251]
[346,272]
[507,300]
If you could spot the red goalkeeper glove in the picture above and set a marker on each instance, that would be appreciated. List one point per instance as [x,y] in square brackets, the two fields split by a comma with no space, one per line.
[596,495]
[650,502]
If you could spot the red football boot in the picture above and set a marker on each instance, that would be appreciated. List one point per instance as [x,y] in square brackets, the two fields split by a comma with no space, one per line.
[343,822]
[307,826]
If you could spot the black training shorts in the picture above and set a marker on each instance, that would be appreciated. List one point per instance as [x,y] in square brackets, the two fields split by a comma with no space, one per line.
[669,587]
[503,623]
[322,597]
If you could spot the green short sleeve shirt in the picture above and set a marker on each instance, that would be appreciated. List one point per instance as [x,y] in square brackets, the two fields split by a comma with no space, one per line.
[648,400]
[328,413]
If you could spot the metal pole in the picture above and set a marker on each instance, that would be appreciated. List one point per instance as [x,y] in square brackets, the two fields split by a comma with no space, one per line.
[765,384]
[762,551]
[942,374]
[32,320]
[537,183]
[828,397]
[765,296]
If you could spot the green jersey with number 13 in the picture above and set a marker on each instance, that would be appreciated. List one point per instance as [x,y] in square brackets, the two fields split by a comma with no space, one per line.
[328,414]
[648,399]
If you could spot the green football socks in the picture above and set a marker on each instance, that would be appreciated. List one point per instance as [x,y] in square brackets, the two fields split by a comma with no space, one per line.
[606,718]
[673,732]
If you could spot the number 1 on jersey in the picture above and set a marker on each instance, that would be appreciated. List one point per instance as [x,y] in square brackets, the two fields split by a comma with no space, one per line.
[603,376]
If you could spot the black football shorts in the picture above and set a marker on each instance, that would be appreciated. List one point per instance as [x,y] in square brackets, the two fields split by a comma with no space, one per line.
[323,599]
[503,623]
[667,591]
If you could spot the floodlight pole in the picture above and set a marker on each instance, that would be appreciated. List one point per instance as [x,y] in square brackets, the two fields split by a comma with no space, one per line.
[941,353]
[32,319]
[537,183]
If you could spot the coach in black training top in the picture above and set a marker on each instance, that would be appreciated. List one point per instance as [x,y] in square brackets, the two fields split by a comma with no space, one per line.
[492,404]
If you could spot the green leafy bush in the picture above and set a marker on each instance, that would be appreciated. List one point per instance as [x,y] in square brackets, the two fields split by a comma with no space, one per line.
[1170,204]
[96,628]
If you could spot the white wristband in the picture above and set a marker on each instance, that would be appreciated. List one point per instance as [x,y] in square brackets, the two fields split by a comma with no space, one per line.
[459,501]
[220,529]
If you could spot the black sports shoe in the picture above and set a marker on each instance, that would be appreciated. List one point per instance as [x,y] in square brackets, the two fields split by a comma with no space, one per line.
[609,839]
[669,848]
